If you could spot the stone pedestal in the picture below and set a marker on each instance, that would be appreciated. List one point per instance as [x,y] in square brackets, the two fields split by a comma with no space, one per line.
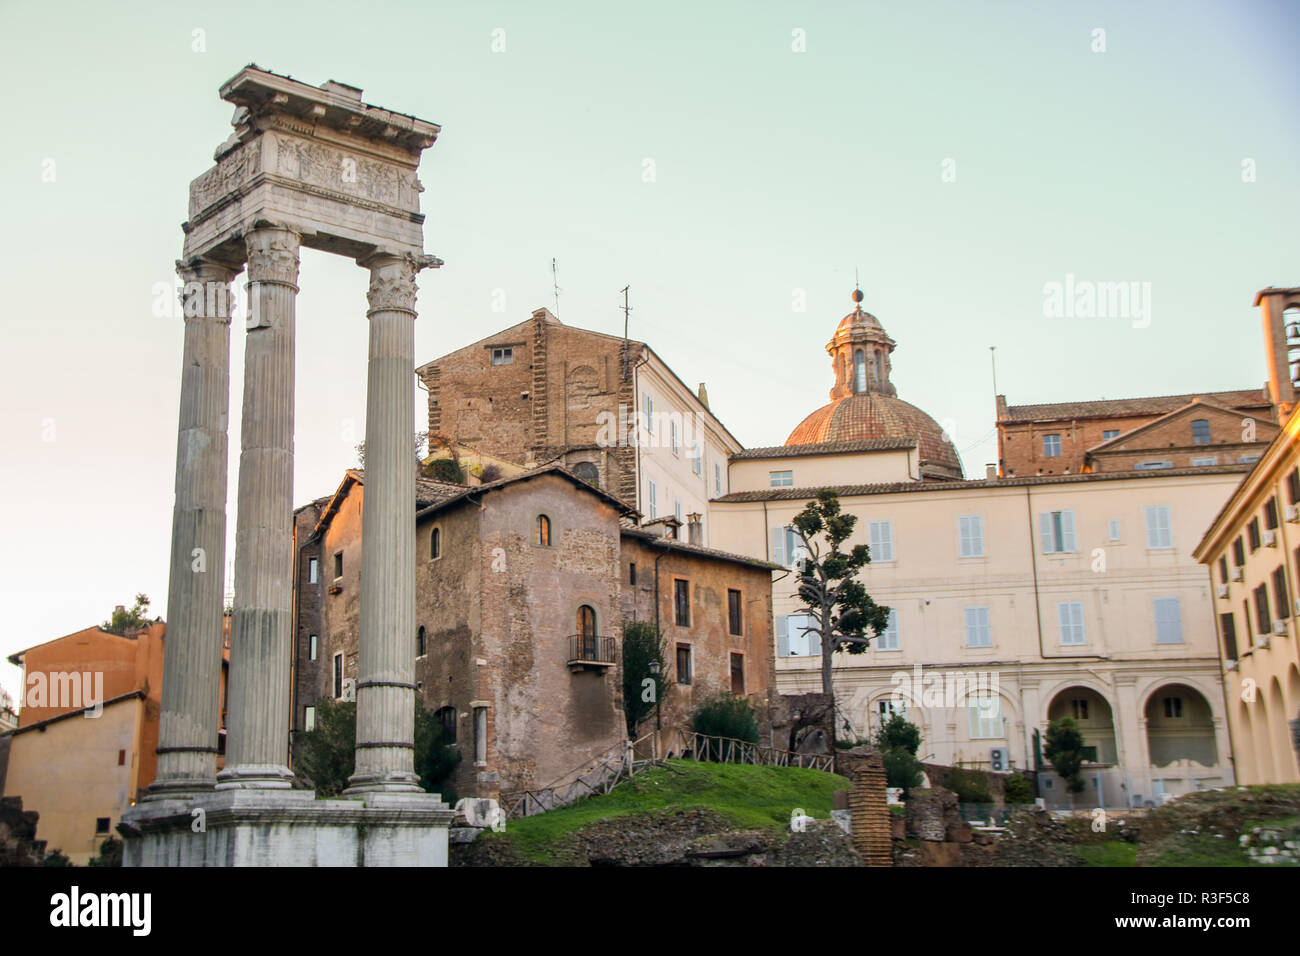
[250,827]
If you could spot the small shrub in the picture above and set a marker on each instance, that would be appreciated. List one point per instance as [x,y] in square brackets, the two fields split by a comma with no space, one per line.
[971,786]
[445,469]
[490,473]
[110,853]
[1017,790]
[724,716]
[57,858]
[902,769]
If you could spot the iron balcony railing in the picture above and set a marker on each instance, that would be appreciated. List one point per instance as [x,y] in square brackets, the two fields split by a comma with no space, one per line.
[590,649]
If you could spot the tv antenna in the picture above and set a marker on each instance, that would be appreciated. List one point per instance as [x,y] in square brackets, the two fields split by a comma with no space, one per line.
[555,285]
[627,311]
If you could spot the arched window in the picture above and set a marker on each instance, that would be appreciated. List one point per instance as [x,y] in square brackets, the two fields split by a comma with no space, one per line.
[1201,431]
[543,531]
[587,472]
[587,648]
[859,371]
[419,642]
[435,543]
[879,365]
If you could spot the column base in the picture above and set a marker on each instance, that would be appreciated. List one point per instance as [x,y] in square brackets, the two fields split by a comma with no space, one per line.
[255,777]
[361,784]
[293,828]
[180,788]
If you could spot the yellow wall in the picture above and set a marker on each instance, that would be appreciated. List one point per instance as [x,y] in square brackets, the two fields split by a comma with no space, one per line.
[819,470]
[69,774]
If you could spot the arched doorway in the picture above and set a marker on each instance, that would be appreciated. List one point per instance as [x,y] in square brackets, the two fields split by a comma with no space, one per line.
[1280,731]
[1092,713]
[1180,738]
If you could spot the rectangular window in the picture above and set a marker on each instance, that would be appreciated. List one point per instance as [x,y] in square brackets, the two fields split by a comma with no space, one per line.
[313,647]
[1160,533]
[1109,433]
[970,529]
[1293,486]
[977,627]
[881,536]
[1051,446]
[682,602]
[1247,459]
[717,478]
[649,405]
[1205,460]
[309,718]
[101,824]
[734,623]
[1261,611]
[780,479]
[677,508]
[683,663]
[787,546]
[1173,707]
[338,676]
[738,674]
[1252,532]
[1169,621]
[1245,613]
[313,570]
[1069,616]
[1281,599]
[654,508]
[480,735]
[1201,432]
[338,564]
[447,719]
[1223,569]
[1153,465]
[1057,531]
[1238,552]
[503,356]
[1270,514]
[1079,708]
[121,758]
[1228,624]
[792,639]
[631,573]
[1113,527]
[672,440]
[697,459]
[985,716]
[888,638]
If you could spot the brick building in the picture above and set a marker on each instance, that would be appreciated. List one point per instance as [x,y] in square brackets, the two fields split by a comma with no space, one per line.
[607,408]
[522,588]
[1127,434]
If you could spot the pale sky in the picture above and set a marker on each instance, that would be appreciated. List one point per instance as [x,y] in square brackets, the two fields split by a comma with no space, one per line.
[776,174]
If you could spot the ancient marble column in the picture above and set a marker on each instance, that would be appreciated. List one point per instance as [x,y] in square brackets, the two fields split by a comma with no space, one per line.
[386,672]
[187,736]
[257,745]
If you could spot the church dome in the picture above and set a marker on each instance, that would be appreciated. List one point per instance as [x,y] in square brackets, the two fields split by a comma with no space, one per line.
[864,403]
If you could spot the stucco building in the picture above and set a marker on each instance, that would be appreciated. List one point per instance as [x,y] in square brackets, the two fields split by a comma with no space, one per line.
[87,735]
[1252,552]
[1028,597]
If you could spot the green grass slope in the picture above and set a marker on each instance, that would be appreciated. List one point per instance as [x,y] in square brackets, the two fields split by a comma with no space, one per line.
[747,797]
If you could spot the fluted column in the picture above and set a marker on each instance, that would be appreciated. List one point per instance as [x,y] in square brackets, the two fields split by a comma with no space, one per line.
[187,736]
[386,672]
[257,749]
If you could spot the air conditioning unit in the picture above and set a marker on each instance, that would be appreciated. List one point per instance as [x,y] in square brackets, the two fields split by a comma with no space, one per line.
[1238,574]
[1292,513]
[1223,590]
[999,759]
[1279,627]
[1231,666]
[1270,539]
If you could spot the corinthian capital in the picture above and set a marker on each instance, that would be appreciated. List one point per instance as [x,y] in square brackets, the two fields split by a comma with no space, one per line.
[206,292]
[273,256]
[392,283]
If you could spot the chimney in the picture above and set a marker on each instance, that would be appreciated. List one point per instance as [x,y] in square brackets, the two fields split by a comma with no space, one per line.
[990,471]
[704,395]
[695,530]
